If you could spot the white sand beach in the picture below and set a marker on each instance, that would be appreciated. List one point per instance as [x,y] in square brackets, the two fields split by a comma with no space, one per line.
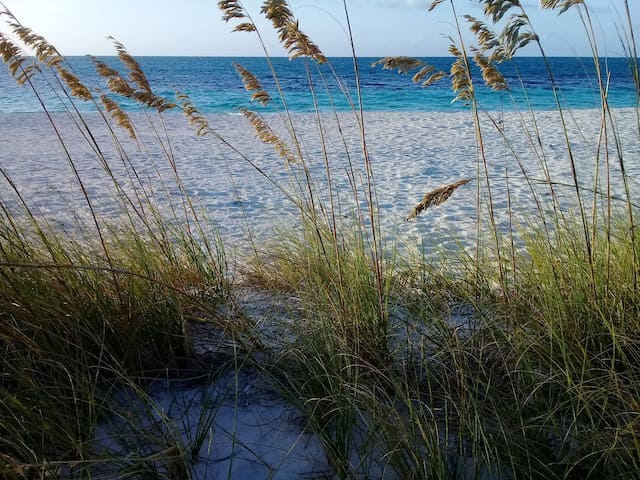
[411,153]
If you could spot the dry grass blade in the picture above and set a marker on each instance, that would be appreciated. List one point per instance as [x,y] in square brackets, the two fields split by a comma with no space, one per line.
[252,84]
[436,197]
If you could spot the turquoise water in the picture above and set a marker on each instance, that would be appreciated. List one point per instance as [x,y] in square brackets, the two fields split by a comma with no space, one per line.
[215,87]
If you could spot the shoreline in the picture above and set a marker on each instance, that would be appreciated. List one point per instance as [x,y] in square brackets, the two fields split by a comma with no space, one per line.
[328,111]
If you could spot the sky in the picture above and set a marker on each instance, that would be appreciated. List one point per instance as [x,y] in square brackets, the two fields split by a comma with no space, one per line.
[380,27]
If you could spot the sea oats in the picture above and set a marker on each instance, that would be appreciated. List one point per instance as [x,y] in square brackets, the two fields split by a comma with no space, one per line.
[486,37]
[244,27]
[511,39]
[152,100]
[300,45]
[121,86]
[12,56]
[497,9]
[9,50]
[232,9]
[103,69]
[115,82]
[45,52]
[278,12]
[434,78]
[118,115]
[404,65]
[460,76]
[422,73]
[401,63]
[436,197]
[297,43]
[560,5]
[431,75]
[265,133]
[252,84]
[136,74]
[195,117]
[491,75]
[77,88]
[434,4]
[47,55]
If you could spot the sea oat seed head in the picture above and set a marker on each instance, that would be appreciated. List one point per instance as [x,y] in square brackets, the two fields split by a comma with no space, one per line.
[252,84]
[560,5]
[265,133]
[78,89]
[401,63]
[436,197]
[118,115]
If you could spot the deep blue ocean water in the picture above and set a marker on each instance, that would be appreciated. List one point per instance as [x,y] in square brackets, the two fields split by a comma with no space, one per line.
[215,87]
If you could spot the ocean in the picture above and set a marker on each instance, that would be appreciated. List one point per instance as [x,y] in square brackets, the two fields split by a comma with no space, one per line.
[214,86]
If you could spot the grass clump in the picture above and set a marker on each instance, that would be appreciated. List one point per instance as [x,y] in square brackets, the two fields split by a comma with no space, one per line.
[73,331]
[96,302]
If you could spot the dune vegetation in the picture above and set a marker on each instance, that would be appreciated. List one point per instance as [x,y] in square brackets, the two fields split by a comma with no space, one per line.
[517,357]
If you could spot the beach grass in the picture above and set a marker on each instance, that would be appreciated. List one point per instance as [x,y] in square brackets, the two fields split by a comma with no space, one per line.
[516,357]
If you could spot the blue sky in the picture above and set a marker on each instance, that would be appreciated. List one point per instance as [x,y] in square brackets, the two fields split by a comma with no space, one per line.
[381,27]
